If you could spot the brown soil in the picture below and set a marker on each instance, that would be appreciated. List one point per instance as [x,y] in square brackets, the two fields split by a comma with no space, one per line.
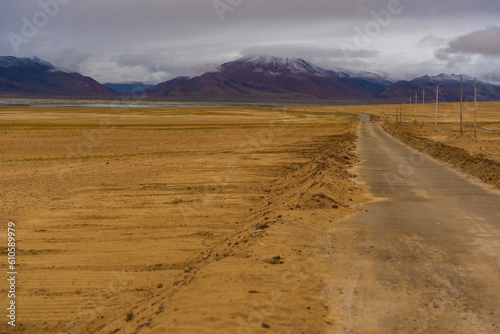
[174,221]
[477,157]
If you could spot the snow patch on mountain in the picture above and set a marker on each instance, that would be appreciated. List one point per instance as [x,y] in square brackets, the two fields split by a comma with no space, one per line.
[452,77]
[384,80]
[368,75]
[9,61]
[271,65]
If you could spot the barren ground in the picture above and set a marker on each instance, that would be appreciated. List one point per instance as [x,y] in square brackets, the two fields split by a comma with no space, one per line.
[218,220]
[174,220]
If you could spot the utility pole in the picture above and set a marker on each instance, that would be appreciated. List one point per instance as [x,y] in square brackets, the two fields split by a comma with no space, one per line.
[461,106]
[403,111]
[475,107]
[409,113]
[423,106]
[416,103]
[437,101]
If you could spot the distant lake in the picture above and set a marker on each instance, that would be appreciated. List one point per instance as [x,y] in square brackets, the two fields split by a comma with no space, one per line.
[108,105]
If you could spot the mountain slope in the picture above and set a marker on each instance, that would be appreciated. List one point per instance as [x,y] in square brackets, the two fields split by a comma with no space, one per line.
[32,77]
[162,88]
[364,81]
[127,88]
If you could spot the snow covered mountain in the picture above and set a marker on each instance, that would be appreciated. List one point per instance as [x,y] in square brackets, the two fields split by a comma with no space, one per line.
[10,61]
[268,77]
[33,77]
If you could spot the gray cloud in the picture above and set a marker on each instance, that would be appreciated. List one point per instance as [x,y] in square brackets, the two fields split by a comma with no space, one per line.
[493,77]
[483,42]
[151,40]
[70,58]
[306,51]
[476,52]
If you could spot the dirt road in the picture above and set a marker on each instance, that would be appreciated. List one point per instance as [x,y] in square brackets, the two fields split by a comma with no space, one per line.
[425,256]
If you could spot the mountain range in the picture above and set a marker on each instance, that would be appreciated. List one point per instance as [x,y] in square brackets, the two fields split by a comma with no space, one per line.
[449,88]
[251,78]
[33,77]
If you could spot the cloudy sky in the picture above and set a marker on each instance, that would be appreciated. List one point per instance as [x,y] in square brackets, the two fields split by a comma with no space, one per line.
[155,40]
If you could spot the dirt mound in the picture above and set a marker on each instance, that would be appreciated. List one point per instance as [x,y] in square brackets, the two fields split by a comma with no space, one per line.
[316,201]
[324,181]
[457,136]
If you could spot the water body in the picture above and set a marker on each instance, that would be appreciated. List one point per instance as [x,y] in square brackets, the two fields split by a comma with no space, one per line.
[110,105]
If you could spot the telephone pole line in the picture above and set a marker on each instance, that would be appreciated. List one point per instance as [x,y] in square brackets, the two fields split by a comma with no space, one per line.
[475,107]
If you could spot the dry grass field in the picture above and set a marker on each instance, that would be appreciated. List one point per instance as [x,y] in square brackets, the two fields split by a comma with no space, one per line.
[170,220]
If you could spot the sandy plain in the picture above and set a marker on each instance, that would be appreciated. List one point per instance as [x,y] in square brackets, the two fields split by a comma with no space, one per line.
[164,220]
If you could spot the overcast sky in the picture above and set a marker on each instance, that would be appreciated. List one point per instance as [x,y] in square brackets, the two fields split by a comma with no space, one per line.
[156,40]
